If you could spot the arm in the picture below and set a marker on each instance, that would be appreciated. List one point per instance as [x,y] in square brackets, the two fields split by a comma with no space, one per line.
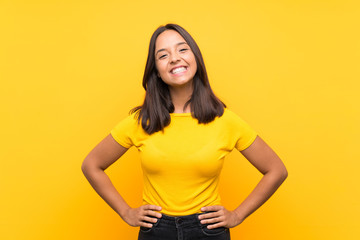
[261,156]
[93,167]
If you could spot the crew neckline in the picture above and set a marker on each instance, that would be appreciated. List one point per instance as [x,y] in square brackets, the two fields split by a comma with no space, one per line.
[180,114]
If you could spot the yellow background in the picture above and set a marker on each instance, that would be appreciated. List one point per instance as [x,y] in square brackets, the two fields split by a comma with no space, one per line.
[70,70]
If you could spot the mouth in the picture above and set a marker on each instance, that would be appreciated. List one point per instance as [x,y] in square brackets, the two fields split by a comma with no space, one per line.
[178,70]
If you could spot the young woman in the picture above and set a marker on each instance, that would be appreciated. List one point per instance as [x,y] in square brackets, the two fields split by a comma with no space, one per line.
[183,132]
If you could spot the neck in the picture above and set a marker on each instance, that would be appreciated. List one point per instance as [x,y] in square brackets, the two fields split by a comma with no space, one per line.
[179,96]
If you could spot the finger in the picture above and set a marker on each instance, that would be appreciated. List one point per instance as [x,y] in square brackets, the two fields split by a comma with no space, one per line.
[152,207]
[211,220]
[152,213]
[208,215]
[145,224]
[149,210]
[211,208]
[149,219]
[217,225]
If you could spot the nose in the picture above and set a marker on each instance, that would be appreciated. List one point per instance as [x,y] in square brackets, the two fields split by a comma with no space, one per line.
[174,57]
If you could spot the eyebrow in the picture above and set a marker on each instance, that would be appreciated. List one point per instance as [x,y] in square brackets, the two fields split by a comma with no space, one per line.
[163,49]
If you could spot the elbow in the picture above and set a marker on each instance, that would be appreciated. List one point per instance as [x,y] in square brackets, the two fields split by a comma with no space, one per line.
[283,174]
[279,174]
[89,166]
[86,166]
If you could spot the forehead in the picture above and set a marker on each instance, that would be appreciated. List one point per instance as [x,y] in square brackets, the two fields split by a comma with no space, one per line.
[168,39]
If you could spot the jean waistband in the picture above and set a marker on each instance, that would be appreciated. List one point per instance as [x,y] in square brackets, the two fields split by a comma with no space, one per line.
[181,220]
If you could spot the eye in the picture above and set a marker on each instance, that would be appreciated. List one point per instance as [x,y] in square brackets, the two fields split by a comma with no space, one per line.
[162,56]
[183,50]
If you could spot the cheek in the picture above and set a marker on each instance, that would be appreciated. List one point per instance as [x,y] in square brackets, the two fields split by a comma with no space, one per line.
[194,64]
[160,68]
[192,60]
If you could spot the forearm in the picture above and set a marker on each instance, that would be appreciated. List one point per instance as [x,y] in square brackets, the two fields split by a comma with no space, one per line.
[102,184]
[267,186]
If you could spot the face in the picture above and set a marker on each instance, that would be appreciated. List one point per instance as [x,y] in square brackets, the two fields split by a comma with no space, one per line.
[174,59]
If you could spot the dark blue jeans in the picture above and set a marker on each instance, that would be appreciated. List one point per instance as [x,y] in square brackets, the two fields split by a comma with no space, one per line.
[182,228]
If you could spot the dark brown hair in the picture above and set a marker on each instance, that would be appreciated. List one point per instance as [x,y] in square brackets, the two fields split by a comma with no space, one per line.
[154,114]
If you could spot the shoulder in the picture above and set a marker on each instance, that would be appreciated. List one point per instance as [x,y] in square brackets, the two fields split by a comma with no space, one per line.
[131,120]
[128,131]
[229,115]
[133,116]
[232,119]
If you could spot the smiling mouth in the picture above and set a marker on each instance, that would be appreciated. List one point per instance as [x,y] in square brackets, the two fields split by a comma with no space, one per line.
[178,70]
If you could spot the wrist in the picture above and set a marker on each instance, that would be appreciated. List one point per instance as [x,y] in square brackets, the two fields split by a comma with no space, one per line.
[124,211]
[239,217]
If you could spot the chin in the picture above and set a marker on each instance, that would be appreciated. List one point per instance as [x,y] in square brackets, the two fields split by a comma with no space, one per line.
[180,83]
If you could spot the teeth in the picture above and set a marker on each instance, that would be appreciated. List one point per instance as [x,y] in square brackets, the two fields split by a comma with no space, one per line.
[178,70]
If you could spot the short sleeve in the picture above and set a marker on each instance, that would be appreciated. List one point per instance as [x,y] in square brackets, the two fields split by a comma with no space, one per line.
[125,131]
[243,134]
[247,138]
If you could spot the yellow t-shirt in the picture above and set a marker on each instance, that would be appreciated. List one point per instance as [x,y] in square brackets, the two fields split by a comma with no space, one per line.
[181,165]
